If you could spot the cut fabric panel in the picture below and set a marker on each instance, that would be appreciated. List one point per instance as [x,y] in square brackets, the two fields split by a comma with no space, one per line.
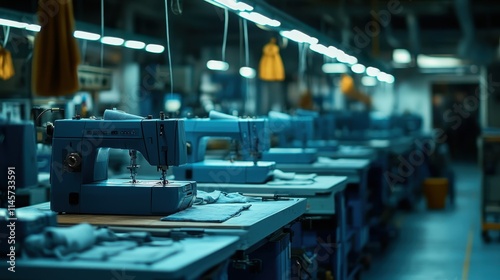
[212,213]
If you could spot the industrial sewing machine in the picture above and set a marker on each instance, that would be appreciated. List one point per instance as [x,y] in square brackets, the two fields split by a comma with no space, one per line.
[293,133]
[79,167]
[251,134]
[323,139]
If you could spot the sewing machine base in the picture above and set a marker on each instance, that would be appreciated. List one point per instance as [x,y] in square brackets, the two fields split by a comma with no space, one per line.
[122,197]
[222,171]
[290,155]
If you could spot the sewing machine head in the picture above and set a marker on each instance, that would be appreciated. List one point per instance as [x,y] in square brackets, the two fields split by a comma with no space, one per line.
[291,129]
[251,134]
[80,147]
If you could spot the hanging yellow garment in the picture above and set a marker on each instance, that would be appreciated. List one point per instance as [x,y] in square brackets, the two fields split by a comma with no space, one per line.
[271,66]
[348,88]
[56,55]
[6,65]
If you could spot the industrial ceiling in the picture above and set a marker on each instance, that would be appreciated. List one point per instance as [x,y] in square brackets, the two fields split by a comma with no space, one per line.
[464,28]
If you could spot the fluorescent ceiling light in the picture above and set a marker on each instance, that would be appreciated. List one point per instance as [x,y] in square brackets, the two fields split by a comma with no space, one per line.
[372,71]
[345,58]
[425,61]
[401,56]
[351,59]
[331,68]
[368,81]
[33,27]
[384,77]
[358,68]
[319,48]
[172,105]
[217,65]
[12,23]
[341,55]
[259,19]
[113,41]
[154,48]
[233,5]
[86,35]
[333,52]
[242,6]
[247,72]
[138,45]
[299,36]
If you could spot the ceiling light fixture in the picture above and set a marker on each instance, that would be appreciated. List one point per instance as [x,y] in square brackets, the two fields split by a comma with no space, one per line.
[319,48]
[86,35]
[12,23]
[248,72]
[217,65]
[334,68]
[401,56]
[259,19]
[425,61]
[358,68]
[299,37]
[33,27]
[231,4]
[372,71]
[113,41]
[131,44]
[154,48]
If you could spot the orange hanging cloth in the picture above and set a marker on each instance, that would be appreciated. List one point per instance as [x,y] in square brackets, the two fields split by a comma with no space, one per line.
[6,65]
[56,55]
[271,66]
[348,88]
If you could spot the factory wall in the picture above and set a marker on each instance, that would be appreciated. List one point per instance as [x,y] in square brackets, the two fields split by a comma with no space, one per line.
[413,93]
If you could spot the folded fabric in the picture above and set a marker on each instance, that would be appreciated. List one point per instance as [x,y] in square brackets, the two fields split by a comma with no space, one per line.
[61,242]
[105,250]
[203,197]
[214,213]
[280,175]
[147,254]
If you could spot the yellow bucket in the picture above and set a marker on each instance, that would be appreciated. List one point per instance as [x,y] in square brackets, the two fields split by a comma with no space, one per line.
[435,191]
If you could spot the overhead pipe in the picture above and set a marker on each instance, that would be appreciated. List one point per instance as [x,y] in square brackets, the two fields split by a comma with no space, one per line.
[469,46]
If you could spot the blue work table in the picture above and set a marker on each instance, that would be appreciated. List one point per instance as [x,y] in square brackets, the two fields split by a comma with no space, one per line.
[356,171]
[259,229]
[198,255]
[325,198]
[253,225]
[320,191]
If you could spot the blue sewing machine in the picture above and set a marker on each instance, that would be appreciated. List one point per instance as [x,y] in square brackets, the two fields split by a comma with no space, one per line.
[79,167]
[323,139]
[18,154]
[293,133]
[251,134]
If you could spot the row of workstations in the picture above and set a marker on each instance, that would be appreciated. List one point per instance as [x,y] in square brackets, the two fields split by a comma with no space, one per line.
[312,223]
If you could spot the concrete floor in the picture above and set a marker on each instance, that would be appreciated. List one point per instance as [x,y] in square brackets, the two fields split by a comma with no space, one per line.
[441,245]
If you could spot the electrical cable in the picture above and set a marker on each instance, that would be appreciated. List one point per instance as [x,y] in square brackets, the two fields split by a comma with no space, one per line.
[6,32]
[245,34]
[168,49]
[224,42]
[102,33]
